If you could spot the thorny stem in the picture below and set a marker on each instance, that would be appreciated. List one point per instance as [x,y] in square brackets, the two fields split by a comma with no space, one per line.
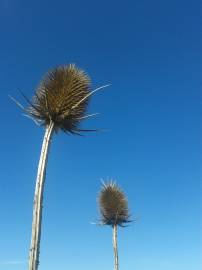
[115,246]
[38,200]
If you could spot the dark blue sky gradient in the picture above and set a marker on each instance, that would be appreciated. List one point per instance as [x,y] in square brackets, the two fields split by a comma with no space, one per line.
[150,53]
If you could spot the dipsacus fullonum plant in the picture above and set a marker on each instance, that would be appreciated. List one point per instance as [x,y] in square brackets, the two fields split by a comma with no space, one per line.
[114,211]
[59,103]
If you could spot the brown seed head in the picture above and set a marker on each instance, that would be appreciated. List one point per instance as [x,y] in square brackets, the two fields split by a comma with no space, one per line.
[62,97]
[113,205]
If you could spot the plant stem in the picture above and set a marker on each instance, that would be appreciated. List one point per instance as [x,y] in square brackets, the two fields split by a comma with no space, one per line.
[38,200]
[116,260]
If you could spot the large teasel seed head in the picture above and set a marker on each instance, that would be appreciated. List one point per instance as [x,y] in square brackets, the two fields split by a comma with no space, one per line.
[113,205]
[62,97]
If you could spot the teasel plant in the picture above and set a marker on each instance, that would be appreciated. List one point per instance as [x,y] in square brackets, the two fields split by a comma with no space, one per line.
[59,104]
[114,211]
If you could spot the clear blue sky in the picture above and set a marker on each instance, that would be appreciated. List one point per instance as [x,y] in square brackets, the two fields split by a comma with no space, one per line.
[149,51]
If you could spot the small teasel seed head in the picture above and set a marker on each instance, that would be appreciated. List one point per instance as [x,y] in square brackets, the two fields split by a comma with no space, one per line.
[113,205]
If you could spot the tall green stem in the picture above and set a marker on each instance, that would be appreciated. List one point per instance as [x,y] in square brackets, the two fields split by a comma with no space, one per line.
[115,246]
[38,200]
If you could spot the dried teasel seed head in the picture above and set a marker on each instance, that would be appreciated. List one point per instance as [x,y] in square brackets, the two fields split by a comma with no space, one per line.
[62,97]
[113,205]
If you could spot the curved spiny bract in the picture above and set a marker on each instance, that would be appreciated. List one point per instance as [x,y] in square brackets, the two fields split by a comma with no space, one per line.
[62,97]
[113,205]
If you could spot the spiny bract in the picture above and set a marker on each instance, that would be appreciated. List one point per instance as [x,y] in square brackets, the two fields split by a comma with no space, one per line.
[113,205]
[62,97]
